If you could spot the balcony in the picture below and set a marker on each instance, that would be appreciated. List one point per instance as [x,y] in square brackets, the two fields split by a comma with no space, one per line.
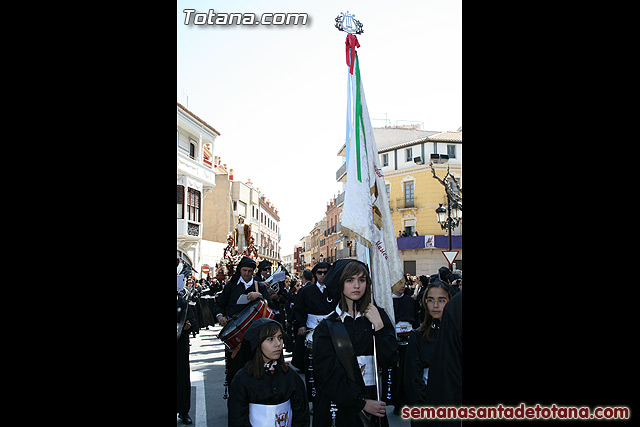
[342,173]
[403,203]
[348,252]
[188,230]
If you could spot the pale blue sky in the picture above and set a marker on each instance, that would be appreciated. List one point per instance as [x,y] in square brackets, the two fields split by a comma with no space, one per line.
[277,94]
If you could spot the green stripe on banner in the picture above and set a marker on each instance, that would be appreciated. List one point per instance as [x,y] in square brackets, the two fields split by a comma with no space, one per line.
[359,121]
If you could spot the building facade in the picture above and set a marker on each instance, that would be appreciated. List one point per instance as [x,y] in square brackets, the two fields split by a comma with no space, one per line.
[414,194]
[195,180]
[405,154]
[257,211]
[217,216]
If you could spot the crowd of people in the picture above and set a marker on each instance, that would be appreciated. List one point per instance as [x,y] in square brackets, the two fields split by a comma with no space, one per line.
[328,320]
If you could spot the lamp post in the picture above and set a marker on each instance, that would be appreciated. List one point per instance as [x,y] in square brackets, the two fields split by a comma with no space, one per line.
[450,217]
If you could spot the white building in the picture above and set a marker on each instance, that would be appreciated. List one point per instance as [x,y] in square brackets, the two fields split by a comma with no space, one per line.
[257,211]
[196,178]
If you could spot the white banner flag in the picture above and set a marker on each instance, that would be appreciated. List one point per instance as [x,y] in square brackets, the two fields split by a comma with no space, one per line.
[366,217]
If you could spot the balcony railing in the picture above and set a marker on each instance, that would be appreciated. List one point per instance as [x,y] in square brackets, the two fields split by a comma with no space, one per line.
[341,171]
[403,203]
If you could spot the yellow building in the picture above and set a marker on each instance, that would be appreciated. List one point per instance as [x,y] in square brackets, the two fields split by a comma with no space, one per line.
[414,195]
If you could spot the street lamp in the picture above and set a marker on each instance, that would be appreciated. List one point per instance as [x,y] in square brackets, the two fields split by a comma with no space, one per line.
[449,218]
[442,215]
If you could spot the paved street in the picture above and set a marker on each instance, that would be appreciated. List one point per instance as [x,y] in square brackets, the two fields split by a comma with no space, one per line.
[208,408]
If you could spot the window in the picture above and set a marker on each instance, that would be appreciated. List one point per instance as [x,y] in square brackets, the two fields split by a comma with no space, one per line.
[242,209]
[409,152]
[180,202]
[385,159]
[193,204]
[408,193]
[410,268]
[451,151]
[192,150]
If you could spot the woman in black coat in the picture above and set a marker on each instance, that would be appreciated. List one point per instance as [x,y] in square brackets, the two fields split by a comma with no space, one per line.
[349,284]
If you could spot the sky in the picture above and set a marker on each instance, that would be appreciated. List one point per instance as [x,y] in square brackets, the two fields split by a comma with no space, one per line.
[277,94]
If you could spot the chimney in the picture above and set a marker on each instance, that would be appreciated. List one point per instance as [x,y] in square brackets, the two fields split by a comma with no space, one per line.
[230,174]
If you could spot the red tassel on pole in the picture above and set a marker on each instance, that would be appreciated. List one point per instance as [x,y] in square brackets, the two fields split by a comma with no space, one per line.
[351,44]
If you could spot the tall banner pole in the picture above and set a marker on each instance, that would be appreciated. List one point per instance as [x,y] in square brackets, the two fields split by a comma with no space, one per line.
[366,217]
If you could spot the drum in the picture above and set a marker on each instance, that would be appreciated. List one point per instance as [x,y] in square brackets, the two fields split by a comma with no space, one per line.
[233,331]
[403,330]
[308,339]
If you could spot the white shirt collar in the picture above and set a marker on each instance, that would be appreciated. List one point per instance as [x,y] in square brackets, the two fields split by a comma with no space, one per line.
[246,285]
[343,314]
[396,296]
[321,287]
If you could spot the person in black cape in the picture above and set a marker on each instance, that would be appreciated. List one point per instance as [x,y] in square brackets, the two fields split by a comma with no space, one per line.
[313,304]
[349,282]
[445,382]
[183,373]
[266,392]
[419,356]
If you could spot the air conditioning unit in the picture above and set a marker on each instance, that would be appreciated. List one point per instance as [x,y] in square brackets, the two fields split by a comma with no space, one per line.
[418,160]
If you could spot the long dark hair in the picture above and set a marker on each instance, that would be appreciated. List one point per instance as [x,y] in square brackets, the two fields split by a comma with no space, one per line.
[425,326]
[355,269]
[255,366]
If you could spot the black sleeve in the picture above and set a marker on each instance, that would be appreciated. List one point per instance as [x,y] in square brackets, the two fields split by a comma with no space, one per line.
[265,293]
[329,373]
[191,316]
[239,401]
[386,342]
[445,373]
[299,311]
[300,404]
[414,386]
[220,306]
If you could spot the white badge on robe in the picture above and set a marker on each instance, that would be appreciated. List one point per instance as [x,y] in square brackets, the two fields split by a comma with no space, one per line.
[279,415]
[314,320]
[425,375]
[366,369]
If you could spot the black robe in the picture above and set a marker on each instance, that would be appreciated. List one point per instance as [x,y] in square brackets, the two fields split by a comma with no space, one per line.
[445,373]
[310,301]
[226,303]
[419,356]
[272,389]
[183,375]
[332,382]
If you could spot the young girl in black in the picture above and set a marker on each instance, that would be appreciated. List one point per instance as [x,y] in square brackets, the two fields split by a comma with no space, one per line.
[265,392]
[419,353]
[349,381]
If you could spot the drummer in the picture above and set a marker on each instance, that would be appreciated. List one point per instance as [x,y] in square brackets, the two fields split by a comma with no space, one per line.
[236,295]
[239,292]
